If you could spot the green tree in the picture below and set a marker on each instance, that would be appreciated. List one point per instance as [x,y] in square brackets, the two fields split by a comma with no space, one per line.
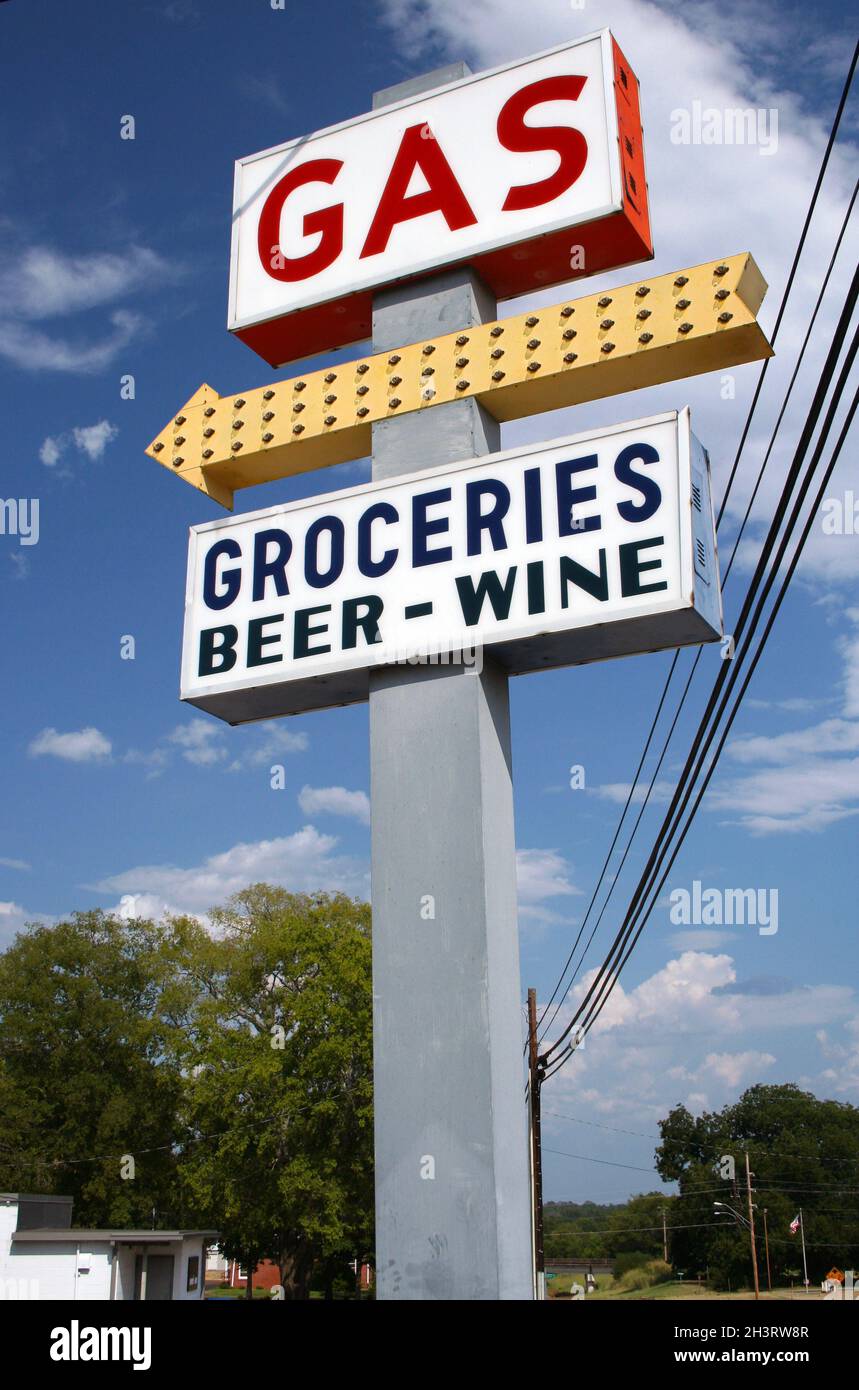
[278,1061]
[86,1068]
[803,1152]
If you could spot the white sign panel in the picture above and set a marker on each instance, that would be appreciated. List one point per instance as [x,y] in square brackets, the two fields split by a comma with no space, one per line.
[473,171]
[584,548]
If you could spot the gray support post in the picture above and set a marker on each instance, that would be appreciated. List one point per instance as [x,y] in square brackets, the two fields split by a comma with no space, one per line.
[452,1167]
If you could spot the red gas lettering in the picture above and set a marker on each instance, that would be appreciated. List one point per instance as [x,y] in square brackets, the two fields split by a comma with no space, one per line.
[570,145]
[418,150]
[328,221]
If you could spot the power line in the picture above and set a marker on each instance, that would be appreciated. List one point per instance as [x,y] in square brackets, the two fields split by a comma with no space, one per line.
[604,1162]
[674,1143]
[684,789]
[694,667]
[630,1231]
[809,214]
[845,91]
[653,725]
[732,716]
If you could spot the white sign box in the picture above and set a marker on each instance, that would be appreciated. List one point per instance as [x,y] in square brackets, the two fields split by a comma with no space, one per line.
[577,550]
[494,170]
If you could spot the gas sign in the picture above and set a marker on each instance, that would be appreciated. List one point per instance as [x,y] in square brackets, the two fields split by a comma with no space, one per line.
[532,173]
[585,548]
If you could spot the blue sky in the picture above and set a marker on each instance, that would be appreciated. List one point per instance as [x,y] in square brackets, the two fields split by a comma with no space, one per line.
[114,261]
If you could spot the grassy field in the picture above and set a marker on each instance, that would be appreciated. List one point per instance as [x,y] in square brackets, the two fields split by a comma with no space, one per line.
[683,1291]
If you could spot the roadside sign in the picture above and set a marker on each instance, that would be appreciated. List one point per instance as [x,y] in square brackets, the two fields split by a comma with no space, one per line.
[581,549]
[533,173]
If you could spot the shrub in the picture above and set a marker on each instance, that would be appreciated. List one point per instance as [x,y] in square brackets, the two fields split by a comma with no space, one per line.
[645,1276]
[631,1259]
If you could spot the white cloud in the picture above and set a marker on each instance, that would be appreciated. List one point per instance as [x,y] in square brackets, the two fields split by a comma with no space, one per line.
[270,740]
[806,796]
[15,864]
[266,89]
[842,1074]
[692,1033]
[178,11]
[13,919]
[50,452]
[135,905]
[35,351]
[850,653]
[734,1069]
[41,283]
[832,736]
[209,743]
[154,761]
[802,782]
[20,562]
[303,862]
[200,741]
[92,440]
[335,801]
[703,940]
[542,874]
[83,746]
[796,704]
[619,791]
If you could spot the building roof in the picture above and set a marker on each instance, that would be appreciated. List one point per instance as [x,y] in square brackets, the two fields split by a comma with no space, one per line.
[126,1237]
[31,1197]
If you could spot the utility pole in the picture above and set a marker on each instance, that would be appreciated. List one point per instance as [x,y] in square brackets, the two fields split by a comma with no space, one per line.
[664,1237]
[767,1248]
[536,1080]
[804,1265]
[752,1225]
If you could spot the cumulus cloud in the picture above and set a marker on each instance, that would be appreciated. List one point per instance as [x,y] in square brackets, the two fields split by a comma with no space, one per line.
[81,746]
[842,1072]
[154,761]
[208,743]
[619,791]
[40,284]
[692,1033]
[805,779]
[43,283]
[303,862]
[831,736]
[735,1069]
[30,348]
[51,452]
[542,874]
[200,741]
[850,654]
[13,919]
[269,740]
[91,440]
[335,801]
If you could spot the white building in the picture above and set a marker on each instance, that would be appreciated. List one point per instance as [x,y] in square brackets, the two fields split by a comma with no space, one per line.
[43,1257]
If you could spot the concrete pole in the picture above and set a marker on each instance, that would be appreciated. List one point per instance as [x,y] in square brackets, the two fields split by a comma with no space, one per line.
[452,1172]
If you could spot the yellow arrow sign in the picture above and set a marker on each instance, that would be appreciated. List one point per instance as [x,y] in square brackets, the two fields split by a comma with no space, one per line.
[654,330]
